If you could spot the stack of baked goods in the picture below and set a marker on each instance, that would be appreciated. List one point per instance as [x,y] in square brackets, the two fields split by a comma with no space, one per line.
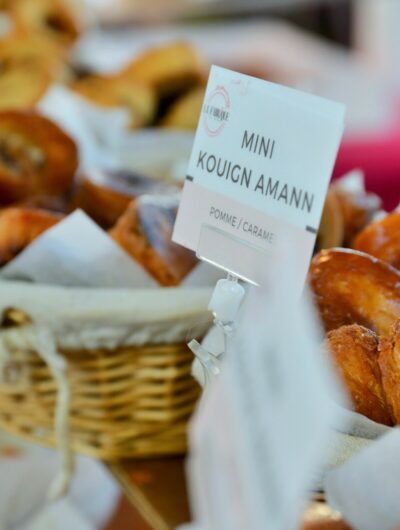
[40,177]
[38,165]
[164,86]
[357,291]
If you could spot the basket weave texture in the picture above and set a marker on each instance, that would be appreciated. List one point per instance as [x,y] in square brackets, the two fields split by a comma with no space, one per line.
[131,402]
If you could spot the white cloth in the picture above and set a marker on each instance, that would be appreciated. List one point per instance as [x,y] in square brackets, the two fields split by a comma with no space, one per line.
[24,482]
[366,488]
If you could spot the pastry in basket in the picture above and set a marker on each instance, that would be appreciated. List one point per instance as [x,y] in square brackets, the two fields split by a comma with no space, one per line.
[185,112]
[389,362]
[358,209]
[144,231]
[116,91]
[352,287]
[36,157]
[169,69]
[105,194]
[354,350]
[50,18]
[331,230]
[382,239]
[19,227]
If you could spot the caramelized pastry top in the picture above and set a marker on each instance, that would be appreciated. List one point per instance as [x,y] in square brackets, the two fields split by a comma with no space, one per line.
[352,287]
[19,227]
[389,362]
[36,156]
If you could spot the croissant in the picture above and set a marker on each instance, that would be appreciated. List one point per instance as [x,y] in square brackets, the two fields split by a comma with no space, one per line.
[169,69]
[352,287]
[36,157]
[144,231]
[354,350]
[19,227]
[389,362]
[382,239]
[105,194]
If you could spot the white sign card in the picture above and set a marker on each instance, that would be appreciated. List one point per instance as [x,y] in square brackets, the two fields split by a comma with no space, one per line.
[258,174]
[262,432]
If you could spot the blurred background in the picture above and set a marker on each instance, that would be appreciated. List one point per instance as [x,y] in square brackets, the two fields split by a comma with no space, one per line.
[347,50]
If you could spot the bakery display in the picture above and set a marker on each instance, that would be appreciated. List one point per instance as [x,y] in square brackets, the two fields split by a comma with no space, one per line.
[381,239]
[20,226]
[36,156]
[351,287]
[144,231]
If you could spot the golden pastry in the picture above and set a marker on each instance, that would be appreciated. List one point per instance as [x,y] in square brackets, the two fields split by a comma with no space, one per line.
[352,287]
[50,18]
[169,69]
[389,362]
[185,112]
[354,350]
[36,157]
[28,66]
[115,91]
[19,227]
[144,231]
[382,239]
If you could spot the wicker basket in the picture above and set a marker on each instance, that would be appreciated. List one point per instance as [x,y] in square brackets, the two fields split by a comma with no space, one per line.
[130,401]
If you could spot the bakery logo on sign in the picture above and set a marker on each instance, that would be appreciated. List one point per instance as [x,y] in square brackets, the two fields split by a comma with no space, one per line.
[216,111]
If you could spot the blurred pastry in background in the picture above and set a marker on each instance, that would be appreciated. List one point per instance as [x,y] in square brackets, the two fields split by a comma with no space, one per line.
[354,350]
[331,230]
[28,65]
[170,69]
[105,194]
[19,227]
[355,288]
[144,231]
[358,208]
[50,18]
[348,209]
[382,239]
[116,91]
[184,113]
[36,157]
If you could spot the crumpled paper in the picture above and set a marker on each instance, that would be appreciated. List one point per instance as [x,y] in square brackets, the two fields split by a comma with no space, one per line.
[76,252]
[365,490]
